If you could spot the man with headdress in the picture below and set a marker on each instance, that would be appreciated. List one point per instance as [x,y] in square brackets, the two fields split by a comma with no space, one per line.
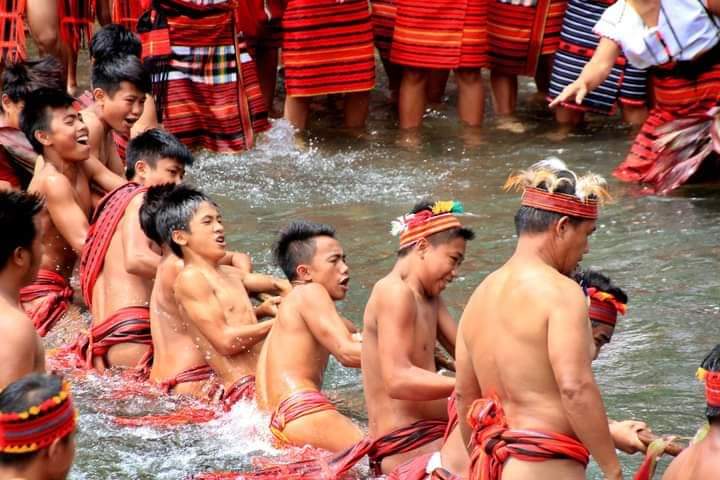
[37,429]
[539,414]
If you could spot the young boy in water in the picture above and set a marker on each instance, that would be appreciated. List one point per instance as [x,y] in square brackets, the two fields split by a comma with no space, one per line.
[404,318]
[309,326]
[57,133]
[20,254]
[212,300]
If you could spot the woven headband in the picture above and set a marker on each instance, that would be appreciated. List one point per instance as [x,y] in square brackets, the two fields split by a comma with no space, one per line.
[604,307]
[37,427]
[712,386]
[559,203]
[422,226]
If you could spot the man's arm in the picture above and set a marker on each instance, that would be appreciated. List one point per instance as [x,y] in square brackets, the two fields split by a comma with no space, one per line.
[569,353]
[139,259]
[396,316]
[194,293]
[328,327]
[239,260]
[101,175]
[67,216]
[260,283]
[16,357]
[447,329]
[467,388]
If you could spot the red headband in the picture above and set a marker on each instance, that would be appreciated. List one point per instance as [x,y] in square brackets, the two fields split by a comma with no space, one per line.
[424,223]
[37,427]
[559,203]
[712,386]
[604,307]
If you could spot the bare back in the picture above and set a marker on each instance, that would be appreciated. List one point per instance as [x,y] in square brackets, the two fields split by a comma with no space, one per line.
[698,462]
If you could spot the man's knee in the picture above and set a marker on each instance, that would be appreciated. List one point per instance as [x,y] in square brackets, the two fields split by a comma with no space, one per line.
[469,75]
[415,76]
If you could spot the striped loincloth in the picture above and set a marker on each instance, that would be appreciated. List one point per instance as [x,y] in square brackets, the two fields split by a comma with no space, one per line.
[12,31]
[444,34]
[56,295]
[127,13]
[625,84]
[327,47]
[383,22]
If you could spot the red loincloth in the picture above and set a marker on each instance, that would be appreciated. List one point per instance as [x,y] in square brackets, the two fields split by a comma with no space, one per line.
[192,50]
[127,13]
[443,34]
[56,296]
[494,442]
[196,374]
[679,95]
[327,47]
[76,22]
[121,143]
[383,22]
[127,325]
[12,31]
[242,389]
[297,405]
[106,218]
[518,35]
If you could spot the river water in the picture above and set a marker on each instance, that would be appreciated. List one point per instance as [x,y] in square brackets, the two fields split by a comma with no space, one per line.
[662,250]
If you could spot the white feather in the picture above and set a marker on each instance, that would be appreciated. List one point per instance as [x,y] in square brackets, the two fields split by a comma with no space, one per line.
[399,225]
[554,164]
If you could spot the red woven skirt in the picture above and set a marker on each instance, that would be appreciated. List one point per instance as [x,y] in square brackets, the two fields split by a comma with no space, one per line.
[383,22]
[12,30]
[127,13]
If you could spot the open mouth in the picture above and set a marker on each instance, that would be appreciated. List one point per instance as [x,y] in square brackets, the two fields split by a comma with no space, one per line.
[220,240]
[82,140]
[345,282]
[130,121]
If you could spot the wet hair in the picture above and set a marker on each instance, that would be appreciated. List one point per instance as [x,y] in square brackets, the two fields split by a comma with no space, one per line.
[152,204]
[36,114]
[712,364]
[152,145]
[29,391]
[175,213]
[21,78]
[534,220]
[441,237]
[593,279]
[114,40]
[110,73]
[17,211]
[296,245]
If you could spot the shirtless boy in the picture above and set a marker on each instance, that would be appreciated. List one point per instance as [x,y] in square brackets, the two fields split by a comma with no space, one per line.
[119,261]
[404,318]
[20,254]
[308,325]
[57,132]
[212,301]
[531,305]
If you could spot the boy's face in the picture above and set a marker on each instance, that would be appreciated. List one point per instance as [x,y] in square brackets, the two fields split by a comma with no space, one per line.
[206,235]
[328,267]
[602,334]
[441,263]
[166,170]
[67,134]
[123,108]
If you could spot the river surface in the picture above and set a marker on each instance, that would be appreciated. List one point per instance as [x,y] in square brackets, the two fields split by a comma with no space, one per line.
[663,250]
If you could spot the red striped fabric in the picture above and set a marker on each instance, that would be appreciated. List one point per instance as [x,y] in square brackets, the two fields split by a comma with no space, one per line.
[12,31]
[195,374]
[297,405]
[444,34]
[518,35]
[242,389]
[76,22]
[327,47]
[413,469]
[127,13]
[383,22]
[56,296]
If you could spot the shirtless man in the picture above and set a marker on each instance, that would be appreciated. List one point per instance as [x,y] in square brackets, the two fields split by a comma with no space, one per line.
[20,254]
[57,132]
[118,261]
[212,300]
[530,305]
[700,461]
[309,326]
[404,318]
[120,85]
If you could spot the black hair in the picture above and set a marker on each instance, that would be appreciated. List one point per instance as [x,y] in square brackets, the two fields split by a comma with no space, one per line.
[152,145]
[534,220]
[176,210]
[113,40]
[35,115]
[110,73]
[593,279]
[21,78]
[711,363]
[441,237]
[152,204]
[296,245]
[17,210]
[29,391]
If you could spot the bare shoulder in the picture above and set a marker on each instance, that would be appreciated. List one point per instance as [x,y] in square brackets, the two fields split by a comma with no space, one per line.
[678,466]
[17,330]
[191,282]
[391,288]
[54,185]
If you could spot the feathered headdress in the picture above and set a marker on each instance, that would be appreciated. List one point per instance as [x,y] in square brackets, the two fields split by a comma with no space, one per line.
[414,226]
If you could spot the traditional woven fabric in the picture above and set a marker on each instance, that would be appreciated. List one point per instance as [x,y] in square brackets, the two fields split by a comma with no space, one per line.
[413,469]
[297,405]
[103,225]
[559,203]
[127,325]
[12,31]
[327,47]
[625,85]
[518,35]
[680,93]
[383,22]
[242,389]
[604,307]
[121,142]
[196,374]
[444,34]
[494,442]
[76,22]
[193,51]
[127,13]
[56,296]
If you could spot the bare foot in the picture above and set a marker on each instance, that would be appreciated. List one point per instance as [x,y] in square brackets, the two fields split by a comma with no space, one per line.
[560,133]
[409,138]
[510,124]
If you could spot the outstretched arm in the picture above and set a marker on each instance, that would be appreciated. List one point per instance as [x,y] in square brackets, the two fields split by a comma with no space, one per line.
[404,380]
[256,283]
[65,213]
[195,295]
[139,259]
[101,175]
